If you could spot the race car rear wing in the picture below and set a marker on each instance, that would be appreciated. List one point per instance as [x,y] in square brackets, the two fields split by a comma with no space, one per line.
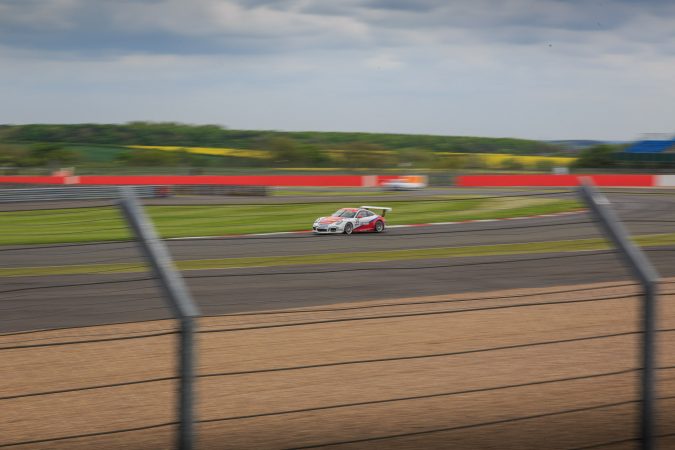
[383,208]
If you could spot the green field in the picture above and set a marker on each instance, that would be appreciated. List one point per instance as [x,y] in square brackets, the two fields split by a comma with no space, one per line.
[97,153]
[106,224]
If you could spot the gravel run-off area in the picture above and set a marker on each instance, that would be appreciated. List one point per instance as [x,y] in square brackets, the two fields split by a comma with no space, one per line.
[429,357]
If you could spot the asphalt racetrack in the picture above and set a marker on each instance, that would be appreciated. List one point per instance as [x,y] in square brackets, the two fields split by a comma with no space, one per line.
[53,301]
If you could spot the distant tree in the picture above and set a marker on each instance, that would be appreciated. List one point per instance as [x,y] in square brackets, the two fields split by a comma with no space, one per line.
[544,165]
[149,158]
[596,157]
[474,162]
[455,161]
[417,157]
[283,149]
[170,133]
[288,151]
[188,159]
[53,155]
[365,155]
[14,156]
[511,164]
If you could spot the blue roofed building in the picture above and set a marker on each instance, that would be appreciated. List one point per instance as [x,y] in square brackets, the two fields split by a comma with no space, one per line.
[652,146]
[648,153]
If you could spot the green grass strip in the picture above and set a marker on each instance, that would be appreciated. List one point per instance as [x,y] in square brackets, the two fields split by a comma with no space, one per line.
[349,258]
[106,224]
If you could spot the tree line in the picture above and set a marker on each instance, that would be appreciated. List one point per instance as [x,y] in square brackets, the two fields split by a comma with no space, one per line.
[170,133]
[44,145]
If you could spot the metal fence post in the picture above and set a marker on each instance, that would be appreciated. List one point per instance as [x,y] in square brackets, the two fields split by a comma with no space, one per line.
[648,277]
[180,303]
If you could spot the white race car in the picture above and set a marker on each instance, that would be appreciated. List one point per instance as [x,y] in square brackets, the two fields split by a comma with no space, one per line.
[352,220]
[406,183]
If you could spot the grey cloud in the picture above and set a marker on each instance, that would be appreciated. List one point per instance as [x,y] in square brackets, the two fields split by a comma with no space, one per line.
[273,4]
[423,66]
[91,27]
[405,5]
[104,27]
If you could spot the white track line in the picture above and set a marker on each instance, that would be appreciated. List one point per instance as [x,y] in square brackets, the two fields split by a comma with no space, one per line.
[280,233]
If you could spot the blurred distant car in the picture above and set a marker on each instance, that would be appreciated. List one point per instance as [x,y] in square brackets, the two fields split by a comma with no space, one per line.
[352,220]
[405,183]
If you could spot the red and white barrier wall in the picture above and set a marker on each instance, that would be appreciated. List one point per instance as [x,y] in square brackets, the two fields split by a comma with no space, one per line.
[513,180]
[29,179]
[565,180]
[665,180]
[239,180]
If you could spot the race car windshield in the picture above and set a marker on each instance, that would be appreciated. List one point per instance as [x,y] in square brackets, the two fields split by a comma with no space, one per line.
[344,213]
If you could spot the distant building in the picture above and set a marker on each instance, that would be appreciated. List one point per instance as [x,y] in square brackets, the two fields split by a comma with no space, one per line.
[652,146]
[649,153]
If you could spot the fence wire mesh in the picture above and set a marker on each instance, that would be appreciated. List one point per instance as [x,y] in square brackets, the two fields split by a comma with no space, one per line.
[526,346]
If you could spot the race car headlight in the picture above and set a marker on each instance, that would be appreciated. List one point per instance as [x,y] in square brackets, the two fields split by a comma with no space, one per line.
[339,222]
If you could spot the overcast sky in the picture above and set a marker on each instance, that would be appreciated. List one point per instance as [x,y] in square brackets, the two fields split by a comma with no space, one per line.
[544,69]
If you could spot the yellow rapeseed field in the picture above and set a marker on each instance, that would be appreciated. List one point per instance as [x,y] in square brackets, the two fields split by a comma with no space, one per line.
[490,160]
[496,160]
[217,151]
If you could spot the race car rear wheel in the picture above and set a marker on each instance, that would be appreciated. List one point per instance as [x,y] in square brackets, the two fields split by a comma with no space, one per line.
[349,228]
[379,226]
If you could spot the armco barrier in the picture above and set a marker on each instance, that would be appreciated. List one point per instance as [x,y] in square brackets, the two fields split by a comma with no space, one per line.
[555,180]
[76,193]
[211,189]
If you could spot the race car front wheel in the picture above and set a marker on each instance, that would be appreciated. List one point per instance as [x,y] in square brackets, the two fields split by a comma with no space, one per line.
[379,226]
[349,228]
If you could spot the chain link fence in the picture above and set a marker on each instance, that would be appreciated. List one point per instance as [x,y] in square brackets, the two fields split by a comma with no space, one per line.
[518,343]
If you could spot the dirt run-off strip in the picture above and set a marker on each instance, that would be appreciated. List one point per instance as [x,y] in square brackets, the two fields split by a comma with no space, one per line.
[525,248]
[522,369]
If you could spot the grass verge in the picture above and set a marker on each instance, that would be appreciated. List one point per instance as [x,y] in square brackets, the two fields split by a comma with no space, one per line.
[106,224]
[349,258]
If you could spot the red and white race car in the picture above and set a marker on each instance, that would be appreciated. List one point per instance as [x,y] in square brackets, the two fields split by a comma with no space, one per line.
[352,220]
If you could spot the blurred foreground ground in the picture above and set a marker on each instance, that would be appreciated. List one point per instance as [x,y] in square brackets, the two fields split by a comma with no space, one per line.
[246,404]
